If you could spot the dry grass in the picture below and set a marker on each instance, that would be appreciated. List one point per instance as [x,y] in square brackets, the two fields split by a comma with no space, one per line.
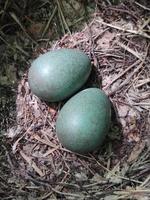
[119,52]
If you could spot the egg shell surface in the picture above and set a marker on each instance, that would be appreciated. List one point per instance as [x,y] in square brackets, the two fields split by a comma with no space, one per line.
[84,121]
[58,74]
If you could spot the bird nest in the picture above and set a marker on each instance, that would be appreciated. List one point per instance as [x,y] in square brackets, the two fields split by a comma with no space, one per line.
[119,55]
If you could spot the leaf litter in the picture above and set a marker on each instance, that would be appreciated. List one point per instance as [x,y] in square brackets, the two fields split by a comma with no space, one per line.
[120,56]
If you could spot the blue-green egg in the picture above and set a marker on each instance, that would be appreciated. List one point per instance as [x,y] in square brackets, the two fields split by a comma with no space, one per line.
[58,74]
[84,121]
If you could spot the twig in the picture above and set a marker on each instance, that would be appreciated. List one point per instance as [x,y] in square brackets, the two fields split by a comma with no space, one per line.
[126,80]
[141,104]
[129,77]
[97,183]
[8,158]
[21,26]
[86,166]
[45,196]
[113,174]
[140,5]
[143,83]
[133,192]
[77,21]
[109,2]
[2,39]
[18,140]
[145,23]
[45,142]
[146,181]
[21,50]
[31,163]
[139,32]
[130,50]
[13,48]
[62,16]
[4,10]
[124,11]
[50,151]
[49,21]
[67,194]
[69,185]
[122,73]
[61,22]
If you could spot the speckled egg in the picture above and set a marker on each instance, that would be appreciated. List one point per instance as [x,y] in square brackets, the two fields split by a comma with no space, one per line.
[84,121]
[58,74]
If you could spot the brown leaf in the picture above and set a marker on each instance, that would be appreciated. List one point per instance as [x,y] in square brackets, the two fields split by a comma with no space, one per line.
[105,41]
[137,150]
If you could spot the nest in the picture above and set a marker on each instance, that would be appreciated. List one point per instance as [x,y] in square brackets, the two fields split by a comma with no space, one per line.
[120,68]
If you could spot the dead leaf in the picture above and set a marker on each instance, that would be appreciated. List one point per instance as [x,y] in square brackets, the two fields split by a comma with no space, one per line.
[105,41]
[81,176]
[137,150]
[35,29]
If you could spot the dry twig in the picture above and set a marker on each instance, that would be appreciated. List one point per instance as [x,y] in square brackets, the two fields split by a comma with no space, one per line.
[138,32]
[32,163]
